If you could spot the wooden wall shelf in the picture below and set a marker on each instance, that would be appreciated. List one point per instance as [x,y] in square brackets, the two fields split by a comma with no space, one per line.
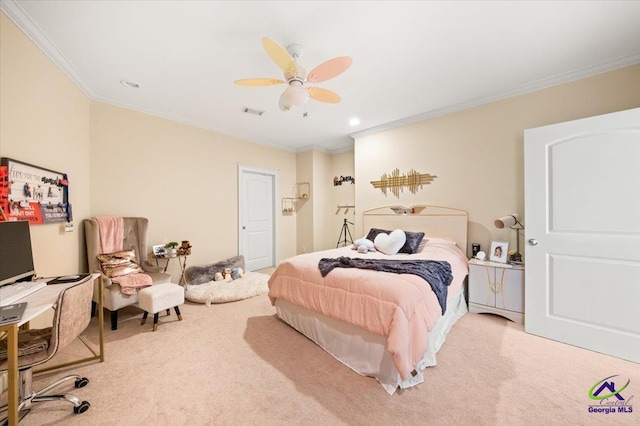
[301,191]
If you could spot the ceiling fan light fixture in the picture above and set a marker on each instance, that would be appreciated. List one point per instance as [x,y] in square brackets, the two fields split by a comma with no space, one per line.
[283,103]
[295,76]
[296,94]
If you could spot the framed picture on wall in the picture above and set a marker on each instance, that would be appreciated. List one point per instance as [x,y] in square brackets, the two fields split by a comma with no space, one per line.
[499,251]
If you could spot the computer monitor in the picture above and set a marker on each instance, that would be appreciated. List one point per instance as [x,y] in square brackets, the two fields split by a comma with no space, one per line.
[16,257]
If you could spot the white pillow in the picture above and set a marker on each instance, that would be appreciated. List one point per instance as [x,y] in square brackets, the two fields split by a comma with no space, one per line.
[390,243]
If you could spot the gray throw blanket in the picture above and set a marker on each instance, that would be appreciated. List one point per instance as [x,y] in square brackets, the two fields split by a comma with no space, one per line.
[437,273]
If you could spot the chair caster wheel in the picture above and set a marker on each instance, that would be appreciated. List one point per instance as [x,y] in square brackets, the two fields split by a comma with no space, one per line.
[80,383]
[84,406]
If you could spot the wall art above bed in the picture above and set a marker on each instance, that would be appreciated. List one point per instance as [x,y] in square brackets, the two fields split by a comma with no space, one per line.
[395,182]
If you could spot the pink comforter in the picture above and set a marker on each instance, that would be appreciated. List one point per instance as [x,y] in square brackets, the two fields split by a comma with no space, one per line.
[401,307]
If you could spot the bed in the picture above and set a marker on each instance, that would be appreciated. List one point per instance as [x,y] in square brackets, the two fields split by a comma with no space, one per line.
[380,324]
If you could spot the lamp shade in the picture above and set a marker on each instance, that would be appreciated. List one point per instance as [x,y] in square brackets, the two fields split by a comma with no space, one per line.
[507,221]
[296,94]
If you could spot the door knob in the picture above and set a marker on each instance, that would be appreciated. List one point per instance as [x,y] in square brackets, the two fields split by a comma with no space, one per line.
[533,242]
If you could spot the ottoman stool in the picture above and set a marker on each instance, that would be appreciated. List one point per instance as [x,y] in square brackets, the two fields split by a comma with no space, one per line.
[159,297]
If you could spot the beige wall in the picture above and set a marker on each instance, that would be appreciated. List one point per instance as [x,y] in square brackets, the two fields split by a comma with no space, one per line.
[183,178]
[318,221]
[322,198]
[44,121]
[477,153]
[341,165]
[124,162]
[304,208]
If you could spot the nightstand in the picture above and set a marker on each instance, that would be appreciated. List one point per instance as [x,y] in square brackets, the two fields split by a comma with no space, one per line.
[497,288]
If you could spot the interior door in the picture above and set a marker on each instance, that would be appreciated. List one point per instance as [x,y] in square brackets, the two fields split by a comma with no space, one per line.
[257,218]
[582,206]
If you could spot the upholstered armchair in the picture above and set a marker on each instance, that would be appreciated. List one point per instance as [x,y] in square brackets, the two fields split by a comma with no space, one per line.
[134,238]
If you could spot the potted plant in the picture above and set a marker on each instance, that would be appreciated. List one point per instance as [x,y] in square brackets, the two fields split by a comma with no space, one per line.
[515,256]
[171,247]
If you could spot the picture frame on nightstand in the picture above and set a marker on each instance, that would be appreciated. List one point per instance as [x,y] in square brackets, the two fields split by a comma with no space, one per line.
[499,251]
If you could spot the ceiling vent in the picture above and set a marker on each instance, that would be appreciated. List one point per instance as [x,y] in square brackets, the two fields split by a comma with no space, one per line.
[252,111]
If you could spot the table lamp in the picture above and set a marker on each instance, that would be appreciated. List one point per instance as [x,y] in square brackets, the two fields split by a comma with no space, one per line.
[512,221]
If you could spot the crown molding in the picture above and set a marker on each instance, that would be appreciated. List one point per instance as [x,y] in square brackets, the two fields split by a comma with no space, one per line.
[12,9]
[348,145]
[194,123]
[521,90]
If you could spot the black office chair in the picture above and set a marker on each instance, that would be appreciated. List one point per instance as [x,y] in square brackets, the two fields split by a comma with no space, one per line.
[35,347]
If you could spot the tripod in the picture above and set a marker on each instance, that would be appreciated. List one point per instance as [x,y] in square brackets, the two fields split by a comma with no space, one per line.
[345,231]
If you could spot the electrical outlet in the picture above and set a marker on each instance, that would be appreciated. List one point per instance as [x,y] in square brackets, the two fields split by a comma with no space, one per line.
[68,227]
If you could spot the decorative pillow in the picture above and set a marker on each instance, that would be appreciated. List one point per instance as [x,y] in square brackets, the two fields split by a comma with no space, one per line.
[411,246]
[373,233]
[390,243]
[205,273]
[119,263]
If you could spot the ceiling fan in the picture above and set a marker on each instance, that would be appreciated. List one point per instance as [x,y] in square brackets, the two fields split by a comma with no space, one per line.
[296,76]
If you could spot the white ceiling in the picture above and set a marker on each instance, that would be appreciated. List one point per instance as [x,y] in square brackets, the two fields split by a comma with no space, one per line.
[411,60]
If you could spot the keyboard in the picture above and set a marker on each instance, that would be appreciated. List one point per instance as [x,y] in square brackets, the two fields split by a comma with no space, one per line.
[14,292]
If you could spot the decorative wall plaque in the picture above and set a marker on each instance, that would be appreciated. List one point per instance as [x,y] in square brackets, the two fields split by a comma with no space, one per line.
[33,193]
[396,182]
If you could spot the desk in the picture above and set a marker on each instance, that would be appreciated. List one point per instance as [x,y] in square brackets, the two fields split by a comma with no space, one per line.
[37,303]
[182,263]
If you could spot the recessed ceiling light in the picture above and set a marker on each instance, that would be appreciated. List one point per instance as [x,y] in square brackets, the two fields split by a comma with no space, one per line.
[129,84]
[354,121]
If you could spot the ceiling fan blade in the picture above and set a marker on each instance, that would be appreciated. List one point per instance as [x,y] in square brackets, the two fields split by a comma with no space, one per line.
[323,95]
[257,82]
[280,56]
[331,68]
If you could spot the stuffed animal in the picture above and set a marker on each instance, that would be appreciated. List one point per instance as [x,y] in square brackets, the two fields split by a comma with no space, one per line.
[363,245]
[237,273]
[229,274]
[225,275]
[184,249]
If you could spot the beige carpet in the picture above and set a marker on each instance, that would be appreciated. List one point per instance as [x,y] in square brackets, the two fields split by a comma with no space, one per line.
[236,363]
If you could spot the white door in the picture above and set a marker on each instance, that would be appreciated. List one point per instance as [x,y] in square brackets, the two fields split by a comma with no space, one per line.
[256,218]
[582,209]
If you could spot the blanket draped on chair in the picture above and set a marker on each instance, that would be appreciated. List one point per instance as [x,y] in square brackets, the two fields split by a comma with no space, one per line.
[111,231]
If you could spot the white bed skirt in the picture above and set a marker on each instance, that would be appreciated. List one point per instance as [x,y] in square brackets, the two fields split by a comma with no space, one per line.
[364,352]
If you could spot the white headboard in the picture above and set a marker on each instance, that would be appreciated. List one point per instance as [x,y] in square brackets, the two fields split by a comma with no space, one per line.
[434,221]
